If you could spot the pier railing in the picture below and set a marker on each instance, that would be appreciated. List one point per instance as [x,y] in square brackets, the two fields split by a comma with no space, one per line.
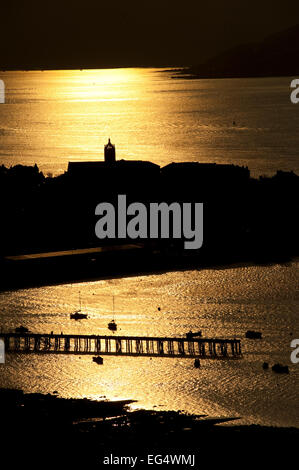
[209,348]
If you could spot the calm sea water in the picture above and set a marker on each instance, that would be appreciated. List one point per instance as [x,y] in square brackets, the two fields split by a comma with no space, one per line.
[52,117]
[223,303]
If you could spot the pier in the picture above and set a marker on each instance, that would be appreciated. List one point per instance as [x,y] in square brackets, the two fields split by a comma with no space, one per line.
[204,348]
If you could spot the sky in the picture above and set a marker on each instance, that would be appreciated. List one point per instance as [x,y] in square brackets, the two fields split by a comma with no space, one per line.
[123,33]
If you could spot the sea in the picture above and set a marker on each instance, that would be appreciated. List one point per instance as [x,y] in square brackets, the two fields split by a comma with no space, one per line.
[52,117]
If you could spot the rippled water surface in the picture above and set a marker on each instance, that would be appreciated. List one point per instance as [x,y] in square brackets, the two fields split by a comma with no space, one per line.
[223,303]
[52,117]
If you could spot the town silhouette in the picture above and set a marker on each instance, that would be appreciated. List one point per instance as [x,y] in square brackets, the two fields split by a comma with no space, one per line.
[49,222]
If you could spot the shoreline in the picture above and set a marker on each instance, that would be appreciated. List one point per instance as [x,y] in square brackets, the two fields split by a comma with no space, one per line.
[181,71]
[88,270]
[98,429]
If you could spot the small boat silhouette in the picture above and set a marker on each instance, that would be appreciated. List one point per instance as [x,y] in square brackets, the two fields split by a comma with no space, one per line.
[112,325]
[190,334]
[78,315]
[253,334]
[279,369]
[98,359]
[21,329]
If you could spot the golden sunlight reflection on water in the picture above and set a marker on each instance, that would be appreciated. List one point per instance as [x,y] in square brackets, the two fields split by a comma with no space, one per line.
[52,117]
[223,303]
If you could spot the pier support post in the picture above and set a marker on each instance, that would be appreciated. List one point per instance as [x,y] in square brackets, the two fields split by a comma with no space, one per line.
[107,345]
[139,346]
[223,349]
[129,346]
[181,348]
[7,343]
[98,345]
[27,343]
[160,344]
[17,343]
[170,348]
[67,344]
[191,348]
[36,343]
[201,348]
[118,346]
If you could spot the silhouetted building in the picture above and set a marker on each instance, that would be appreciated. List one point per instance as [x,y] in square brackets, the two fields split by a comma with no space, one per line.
[123,173]
[109,177]
[203,178]
[204,171]
[176,181]
[86,169]
[109,152]
[121,176]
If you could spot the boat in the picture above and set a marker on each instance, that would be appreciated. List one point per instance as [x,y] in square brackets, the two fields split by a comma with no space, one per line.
[279,369]
[197,363]
[190,335]
[21,329]
[78,315]
[98,359]
[112,324]
[253,334]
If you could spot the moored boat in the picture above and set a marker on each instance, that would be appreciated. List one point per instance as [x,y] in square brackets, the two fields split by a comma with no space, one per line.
[98,360]
[78,315]
[250,334]
[191,335]
[21,329]
[112,325]
[279,369]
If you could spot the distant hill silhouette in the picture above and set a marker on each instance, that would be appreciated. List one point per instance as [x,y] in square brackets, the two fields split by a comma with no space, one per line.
[277,55]
[72,34]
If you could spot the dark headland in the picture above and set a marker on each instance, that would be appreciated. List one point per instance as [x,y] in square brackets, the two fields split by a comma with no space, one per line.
[48,223]
[79,433]
[92,35]
[272,57]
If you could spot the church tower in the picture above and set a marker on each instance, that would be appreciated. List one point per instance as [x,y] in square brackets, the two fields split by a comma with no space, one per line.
[109,152]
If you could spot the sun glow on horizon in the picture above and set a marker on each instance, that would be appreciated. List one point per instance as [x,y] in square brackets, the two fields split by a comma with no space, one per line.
[102,85]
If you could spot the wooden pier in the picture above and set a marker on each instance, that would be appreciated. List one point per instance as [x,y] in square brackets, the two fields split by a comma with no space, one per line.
[204,348]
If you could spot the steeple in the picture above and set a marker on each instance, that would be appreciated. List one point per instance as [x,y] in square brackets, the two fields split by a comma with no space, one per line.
[109,152]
